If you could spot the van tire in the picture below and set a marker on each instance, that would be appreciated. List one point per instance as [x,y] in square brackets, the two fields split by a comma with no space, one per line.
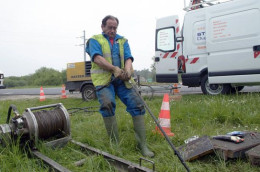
[88,93]
[214,89]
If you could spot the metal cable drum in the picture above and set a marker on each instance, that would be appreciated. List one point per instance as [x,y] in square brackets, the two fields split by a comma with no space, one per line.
[45,124]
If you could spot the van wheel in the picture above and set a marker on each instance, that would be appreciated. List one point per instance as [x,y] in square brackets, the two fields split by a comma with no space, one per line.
[88,93]
[213,89]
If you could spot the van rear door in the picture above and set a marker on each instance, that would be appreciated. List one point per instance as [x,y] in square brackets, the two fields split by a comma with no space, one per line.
[166,49]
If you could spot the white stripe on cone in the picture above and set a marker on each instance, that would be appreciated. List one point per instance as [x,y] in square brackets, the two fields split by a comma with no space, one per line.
[165,122]
[165,106]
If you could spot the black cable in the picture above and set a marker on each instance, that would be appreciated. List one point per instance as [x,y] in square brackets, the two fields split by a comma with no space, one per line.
[50,123]
[85,109]
[11,107]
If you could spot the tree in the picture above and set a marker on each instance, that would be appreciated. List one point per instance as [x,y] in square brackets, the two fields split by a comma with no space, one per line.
[14,81]
[46,76]
[64,76]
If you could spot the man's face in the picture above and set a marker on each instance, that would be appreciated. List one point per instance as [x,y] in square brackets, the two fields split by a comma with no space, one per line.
[110,28]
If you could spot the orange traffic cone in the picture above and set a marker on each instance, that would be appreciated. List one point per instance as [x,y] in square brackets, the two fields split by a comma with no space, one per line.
[42,96]
[164,117]
[63,92]
[176,89]
[176,93]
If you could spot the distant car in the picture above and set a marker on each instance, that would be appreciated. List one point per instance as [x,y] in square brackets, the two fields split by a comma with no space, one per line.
[2,80]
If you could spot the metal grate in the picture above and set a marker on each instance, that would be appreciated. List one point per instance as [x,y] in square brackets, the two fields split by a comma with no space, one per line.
[87,68]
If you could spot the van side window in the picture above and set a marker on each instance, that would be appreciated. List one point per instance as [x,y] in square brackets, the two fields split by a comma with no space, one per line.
[165,39]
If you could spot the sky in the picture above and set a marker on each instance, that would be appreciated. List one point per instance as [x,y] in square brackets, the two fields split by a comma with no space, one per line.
[48,33]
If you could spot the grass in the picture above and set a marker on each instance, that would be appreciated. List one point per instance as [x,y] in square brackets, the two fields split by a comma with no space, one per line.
[192,115]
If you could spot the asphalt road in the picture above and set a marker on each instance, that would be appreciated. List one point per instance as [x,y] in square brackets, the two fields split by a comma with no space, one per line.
[30,91]
[145,89]
[27,93]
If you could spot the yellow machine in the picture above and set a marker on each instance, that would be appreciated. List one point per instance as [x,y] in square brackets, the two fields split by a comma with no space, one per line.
[79,79]
[78,71]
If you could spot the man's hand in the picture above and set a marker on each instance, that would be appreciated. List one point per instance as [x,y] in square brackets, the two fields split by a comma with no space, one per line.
[124,75]
[128,73]
[117,72]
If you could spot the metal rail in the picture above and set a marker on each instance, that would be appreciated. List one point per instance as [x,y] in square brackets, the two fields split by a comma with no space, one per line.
[153,89]
[120,164]
[54,165]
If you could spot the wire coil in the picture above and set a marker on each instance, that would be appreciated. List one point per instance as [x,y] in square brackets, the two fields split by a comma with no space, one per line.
[50,123]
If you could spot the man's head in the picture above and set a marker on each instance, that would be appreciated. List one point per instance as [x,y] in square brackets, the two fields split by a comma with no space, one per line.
[109,26]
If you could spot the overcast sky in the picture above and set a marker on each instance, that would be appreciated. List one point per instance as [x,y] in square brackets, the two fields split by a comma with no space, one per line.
[43,33]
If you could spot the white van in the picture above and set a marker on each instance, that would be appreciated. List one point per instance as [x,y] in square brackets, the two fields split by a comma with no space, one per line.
[218,47]
[2,80]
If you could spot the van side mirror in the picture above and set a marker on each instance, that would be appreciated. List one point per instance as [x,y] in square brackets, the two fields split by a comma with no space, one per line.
[179,39]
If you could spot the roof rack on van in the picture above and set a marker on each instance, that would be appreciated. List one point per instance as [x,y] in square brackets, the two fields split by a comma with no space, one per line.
[196,4]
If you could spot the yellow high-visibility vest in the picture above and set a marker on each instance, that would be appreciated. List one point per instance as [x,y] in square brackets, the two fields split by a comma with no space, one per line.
[100,76]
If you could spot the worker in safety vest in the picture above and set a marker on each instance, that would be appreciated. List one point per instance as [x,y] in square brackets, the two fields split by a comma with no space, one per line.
[111,58]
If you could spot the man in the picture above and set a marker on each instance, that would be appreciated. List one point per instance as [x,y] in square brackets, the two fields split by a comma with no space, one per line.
[112,66]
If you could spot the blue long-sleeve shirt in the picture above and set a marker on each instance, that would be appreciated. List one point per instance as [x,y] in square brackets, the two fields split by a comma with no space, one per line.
[94,48]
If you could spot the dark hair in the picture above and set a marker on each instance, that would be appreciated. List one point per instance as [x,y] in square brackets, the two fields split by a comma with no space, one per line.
[104,21]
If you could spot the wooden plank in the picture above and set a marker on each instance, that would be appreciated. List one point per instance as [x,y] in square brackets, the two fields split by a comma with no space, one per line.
[253,155]
[196,148]
[236,150]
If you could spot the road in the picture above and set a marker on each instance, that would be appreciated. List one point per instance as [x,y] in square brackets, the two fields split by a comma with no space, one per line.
[16,93]
[31,93]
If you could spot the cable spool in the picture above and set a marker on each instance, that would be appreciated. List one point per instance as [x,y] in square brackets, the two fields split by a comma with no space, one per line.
[46,124]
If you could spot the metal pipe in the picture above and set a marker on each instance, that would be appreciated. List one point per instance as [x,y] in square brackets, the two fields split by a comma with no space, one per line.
[43,107]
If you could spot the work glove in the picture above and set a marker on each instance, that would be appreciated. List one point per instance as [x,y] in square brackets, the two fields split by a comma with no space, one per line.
[118,73]
[127,74]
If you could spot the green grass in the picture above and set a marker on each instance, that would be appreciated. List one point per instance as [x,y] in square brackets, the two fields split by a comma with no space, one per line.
[192,115]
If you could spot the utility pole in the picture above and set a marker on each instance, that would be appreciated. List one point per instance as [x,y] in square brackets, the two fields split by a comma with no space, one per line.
[84,44]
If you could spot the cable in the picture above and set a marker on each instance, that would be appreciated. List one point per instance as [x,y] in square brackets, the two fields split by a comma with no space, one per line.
[85,109]
[50,123]
[11,107]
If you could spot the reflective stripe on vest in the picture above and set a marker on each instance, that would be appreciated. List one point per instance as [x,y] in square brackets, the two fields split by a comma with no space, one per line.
[98,71]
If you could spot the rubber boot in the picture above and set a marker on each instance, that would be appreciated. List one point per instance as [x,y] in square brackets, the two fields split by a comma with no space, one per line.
[111,127]
[139,128]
